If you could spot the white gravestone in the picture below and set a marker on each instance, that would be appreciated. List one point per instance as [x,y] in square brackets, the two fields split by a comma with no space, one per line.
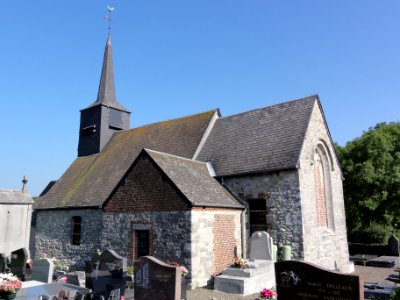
[42,270]
[261,246]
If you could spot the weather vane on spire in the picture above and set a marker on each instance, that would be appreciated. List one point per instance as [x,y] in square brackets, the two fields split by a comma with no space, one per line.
[108,17]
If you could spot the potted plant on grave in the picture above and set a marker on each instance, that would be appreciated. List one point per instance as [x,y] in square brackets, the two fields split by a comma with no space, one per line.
[9,286]
[240,263]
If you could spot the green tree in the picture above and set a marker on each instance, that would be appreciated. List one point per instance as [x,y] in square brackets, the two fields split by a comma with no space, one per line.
[371,168]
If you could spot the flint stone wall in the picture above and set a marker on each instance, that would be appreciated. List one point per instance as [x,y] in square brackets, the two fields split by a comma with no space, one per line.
[53,235]
[282,194]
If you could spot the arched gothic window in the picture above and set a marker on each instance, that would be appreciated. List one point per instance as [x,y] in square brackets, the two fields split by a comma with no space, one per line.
[323,191]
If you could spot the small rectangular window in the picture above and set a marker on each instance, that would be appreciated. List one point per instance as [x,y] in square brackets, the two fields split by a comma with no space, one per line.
[142,242]
[76,230]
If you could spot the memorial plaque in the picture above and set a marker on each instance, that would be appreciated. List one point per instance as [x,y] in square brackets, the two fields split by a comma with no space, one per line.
[18,262]
[155,279]
[301,281]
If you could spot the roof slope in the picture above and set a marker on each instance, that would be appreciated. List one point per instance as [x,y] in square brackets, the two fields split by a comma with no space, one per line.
[193,179]
[260,140]
[14,197]
[90,180]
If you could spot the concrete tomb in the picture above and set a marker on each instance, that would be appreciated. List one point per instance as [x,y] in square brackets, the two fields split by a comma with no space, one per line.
[259,273]
[106,275]
[155,279]
[299,280]
[42,270]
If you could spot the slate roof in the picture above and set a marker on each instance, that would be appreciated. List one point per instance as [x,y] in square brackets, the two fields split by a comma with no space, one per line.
[14,197]
[193,179]
[90,179]
[260,140]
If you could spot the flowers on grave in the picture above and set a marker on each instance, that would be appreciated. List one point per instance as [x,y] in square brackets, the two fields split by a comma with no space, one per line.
[9,283]
[58,265]
[185,271]
[266,294]
[240,263]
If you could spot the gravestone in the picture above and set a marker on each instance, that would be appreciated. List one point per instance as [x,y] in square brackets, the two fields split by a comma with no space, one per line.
[261,246]
[42,270]
[108,274]
[2,263]
[301,281]
[393,245]
[18,262]
[259,273]
[155,279]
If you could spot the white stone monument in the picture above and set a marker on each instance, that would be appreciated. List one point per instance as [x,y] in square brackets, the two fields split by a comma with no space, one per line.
[259,274]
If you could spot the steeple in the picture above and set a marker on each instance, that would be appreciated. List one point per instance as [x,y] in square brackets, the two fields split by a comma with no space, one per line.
[106,92]
[105,116]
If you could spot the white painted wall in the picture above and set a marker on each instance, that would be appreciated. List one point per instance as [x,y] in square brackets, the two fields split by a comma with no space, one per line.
[15,226]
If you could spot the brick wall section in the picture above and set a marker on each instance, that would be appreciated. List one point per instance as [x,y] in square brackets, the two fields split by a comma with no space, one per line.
[204,254]
[144,189]
[225,244]
[325,246]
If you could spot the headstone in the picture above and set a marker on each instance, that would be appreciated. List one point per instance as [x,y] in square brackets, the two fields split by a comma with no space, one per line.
[42,270]
[298,280]
[155,279]
[108,274]
[2,263]
[393,245]
[18,262]
[261,246]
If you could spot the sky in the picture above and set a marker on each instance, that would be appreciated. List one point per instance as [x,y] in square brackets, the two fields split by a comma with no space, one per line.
[179,57]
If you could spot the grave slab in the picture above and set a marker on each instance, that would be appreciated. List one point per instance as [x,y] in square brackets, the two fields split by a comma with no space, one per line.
[383,261]
[42,270]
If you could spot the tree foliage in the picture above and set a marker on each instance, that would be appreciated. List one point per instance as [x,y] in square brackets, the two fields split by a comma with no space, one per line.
[371,168]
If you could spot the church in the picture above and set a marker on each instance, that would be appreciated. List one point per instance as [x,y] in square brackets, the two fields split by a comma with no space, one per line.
[194,189]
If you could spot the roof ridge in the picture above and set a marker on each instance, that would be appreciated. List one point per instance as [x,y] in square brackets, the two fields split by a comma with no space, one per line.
[176,156]
[308,98]
[169,120]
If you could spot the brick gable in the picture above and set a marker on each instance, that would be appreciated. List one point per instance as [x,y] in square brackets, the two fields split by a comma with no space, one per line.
[145,189]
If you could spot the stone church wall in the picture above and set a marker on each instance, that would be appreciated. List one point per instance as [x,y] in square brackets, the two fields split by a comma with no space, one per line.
[53,235]
[282,195]
[216,239]
[323,245]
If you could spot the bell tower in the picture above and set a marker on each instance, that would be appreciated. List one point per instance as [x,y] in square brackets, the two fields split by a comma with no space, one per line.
[105,116]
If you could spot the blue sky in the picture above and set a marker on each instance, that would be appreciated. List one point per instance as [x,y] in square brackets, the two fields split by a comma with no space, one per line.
[175,58]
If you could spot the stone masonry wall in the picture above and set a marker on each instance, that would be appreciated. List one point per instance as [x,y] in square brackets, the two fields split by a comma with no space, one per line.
[216,236]
[170,234]
[53,235]
[323,245]
[282,195]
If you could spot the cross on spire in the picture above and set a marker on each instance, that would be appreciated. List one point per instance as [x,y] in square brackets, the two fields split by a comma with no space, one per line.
[108,18]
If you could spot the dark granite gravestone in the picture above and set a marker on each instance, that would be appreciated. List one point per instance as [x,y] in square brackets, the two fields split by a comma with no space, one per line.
[18,262]
[2,263]
[42,270]
[300,281]
[383,261]
[393,246]
[108,274]
[155,279]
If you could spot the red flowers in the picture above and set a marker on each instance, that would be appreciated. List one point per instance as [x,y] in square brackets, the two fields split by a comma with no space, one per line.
[9,283]
[267,294]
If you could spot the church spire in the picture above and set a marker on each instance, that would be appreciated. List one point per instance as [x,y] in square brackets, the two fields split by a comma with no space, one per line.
[105,116]
[106,93]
